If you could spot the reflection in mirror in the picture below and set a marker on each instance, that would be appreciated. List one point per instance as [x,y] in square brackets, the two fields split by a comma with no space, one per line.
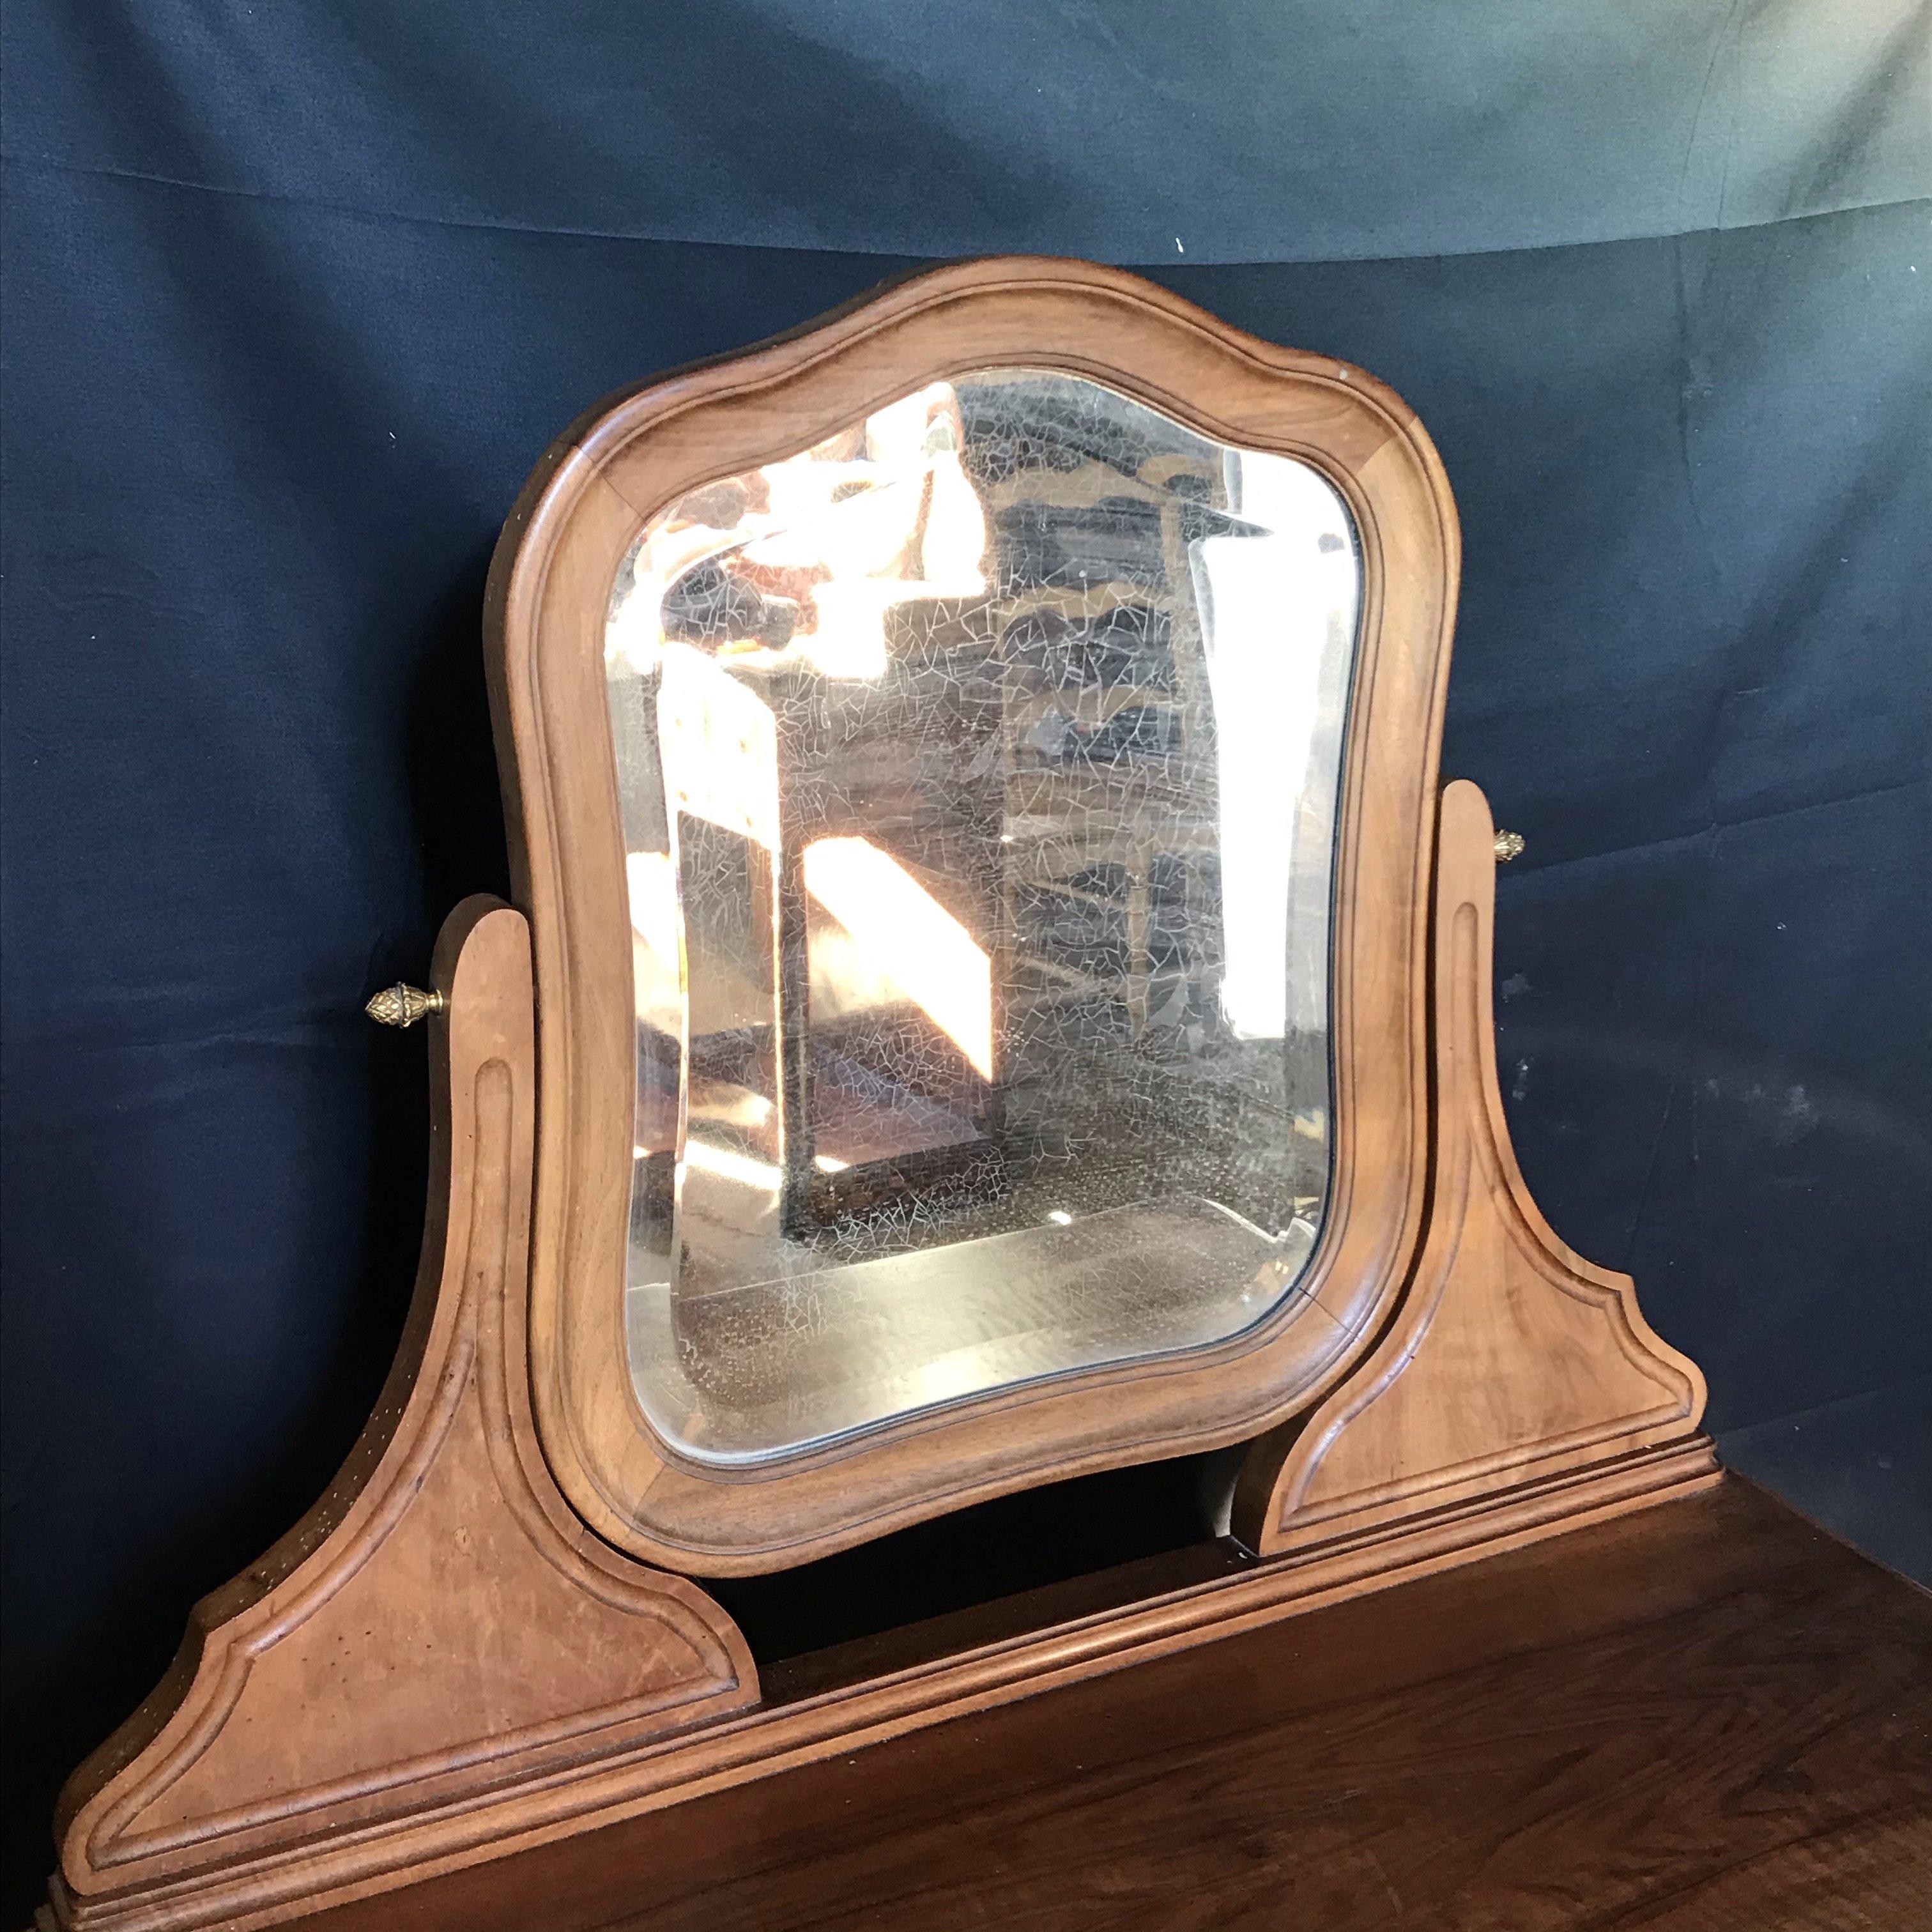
[979,769]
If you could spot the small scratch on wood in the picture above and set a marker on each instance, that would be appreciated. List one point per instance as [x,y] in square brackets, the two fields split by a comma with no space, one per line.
[1395,1897]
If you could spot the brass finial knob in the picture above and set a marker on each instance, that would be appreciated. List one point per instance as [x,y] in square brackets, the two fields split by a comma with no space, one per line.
[1509,845]
[401,1006]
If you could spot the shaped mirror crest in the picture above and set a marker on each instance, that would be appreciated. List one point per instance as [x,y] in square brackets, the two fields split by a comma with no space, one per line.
[979,769]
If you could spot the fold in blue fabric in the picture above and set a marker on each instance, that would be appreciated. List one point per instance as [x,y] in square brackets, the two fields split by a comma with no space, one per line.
[1247,131]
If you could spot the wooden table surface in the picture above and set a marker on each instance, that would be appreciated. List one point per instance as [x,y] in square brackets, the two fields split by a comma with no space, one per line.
[1710,1715]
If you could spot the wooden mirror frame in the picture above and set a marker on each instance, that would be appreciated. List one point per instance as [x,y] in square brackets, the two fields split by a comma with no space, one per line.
[549,589]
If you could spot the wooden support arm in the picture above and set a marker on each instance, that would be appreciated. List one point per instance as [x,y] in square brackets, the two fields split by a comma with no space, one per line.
[1518,1386]
[432,1655]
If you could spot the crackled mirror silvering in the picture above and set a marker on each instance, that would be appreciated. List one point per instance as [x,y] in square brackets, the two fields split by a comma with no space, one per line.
[979,769]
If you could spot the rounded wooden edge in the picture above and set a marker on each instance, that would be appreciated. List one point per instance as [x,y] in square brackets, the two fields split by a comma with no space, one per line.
[1469,829]
[549,584]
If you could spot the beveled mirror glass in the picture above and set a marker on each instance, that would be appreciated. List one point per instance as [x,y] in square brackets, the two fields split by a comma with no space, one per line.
[978,768]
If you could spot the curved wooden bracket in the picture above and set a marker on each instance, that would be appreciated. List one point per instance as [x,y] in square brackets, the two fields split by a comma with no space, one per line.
[440,1643]
[1518,1387]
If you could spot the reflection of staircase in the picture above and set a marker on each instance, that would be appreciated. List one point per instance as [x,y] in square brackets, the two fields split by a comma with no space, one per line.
[1112,889]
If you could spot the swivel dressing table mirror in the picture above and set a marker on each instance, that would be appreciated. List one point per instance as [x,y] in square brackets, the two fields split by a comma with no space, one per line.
[994,993]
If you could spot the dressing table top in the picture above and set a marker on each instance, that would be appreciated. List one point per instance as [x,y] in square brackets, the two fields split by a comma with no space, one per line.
[1710,1716]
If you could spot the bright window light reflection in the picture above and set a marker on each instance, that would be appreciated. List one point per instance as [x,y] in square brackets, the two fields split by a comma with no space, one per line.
[719,744]
[836,542]
[905,933]
[658,976]
[653,885]
[729,1165]
[1266,650]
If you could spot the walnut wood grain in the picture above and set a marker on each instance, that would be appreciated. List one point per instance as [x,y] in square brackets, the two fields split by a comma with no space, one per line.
[550,593]
[440,1634]
[1706,1716]
[1515,1373]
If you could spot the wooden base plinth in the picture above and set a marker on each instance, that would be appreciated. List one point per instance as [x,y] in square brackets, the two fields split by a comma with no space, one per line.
[1707,1716]
[769,1742]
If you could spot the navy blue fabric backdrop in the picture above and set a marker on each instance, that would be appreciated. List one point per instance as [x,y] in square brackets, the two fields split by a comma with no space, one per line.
[295,296]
